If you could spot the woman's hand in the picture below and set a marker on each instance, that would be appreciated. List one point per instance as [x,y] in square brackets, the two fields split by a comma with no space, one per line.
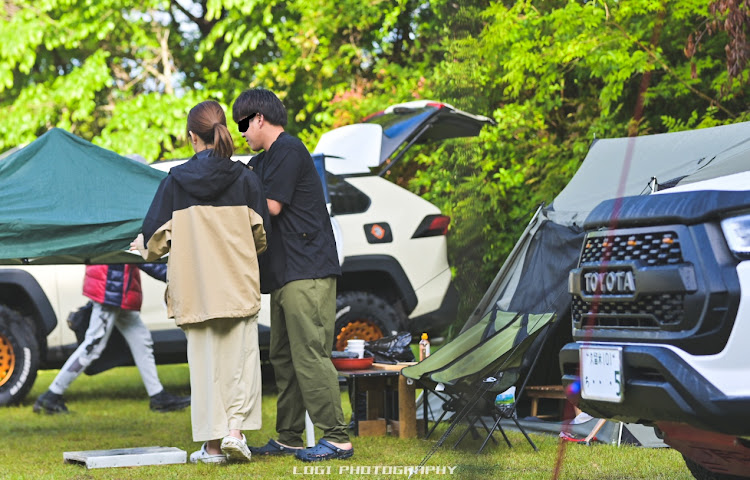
[137,244]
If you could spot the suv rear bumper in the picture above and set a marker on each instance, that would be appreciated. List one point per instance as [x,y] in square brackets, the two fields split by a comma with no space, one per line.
[661,387]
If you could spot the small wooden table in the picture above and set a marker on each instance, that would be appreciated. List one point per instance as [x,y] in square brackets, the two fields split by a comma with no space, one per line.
[377,383]
[535,392]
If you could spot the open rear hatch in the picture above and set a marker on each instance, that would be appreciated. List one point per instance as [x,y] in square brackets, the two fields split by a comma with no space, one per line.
[384,137]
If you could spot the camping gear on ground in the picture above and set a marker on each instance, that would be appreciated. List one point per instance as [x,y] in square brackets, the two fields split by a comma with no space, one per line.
[612,432]
[126,457]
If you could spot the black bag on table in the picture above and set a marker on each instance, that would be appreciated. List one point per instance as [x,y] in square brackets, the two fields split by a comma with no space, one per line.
[391,349]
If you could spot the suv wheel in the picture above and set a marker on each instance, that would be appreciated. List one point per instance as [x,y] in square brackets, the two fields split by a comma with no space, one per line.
[702,473]
[19,356]
[365,316]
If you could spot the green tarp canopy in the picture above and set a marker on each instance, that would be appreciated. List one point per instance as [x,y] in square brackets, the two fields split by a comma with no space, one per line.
[65,200]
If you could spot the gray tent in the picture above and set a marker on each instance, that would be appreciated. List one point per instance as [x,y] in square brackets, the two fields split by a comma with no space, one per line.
[534,276]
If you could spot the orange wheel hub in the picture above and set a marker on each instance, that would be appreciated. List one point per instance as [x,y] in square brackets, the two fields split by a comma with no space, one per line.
[362,329]
[7,359]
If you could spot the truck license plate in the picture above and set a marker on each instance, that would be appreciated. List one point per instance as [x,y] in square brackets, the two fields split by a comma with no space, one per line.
[601,373]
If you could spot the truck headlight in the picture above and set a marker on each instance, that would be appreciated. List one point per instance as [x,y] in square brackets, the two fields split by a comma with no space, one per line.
[737,232]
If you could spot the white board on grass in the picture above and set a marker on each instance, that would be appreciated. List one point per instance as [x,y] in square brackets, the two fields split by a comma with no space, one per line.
[126,457]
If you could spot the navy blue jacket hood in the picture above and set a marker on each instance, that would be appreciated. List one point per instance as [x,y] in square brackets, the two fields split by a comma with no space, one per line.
[206,176]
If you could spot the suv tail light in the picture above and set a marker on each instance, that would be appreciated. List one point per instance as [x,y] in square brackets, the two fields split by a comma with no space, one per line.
[432,226]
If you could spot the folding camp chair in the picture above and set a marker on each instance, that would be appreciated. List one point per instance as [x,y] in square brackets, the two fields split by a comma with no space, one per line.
[474,409]
[484,406]
[519,364]
[495,347]
[462,347]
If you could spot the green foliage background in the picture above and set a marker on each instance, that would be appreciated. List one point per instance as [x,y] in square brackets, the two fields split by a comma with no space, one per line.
[553,74]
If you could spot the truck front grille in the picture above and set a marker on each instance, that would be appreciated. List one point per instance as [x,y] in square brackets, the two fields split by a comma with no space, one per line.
[651,248]
[649,311]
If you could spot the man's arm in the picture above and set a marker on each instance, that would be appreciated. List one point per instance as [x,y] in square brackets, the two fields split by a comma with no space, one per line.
[155,270]
[274,207]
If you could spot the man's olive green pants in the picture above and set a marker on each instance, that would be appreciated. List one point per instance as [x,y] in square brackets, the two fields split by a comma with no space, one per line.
[303,315]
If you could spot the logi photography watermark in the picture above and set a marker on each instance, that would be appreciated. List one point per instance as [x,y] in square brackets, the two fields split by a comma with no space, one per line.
[373,470]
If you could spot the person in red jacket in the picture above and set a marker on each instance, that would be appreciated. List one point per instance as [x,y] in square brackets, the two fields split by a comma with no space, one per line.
[115,291]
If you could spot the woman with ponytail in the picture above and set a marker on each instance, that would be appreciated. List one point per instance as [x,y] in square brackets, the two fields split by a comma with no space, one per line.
[210,214]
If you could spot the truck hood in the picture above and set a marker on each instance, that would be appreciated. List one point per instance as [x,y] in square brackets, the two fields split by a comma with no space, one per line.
[735,182]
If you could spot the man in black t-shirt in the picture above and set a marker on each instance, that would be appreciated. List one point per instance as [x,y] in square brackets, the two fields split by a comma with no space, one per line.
[299,270]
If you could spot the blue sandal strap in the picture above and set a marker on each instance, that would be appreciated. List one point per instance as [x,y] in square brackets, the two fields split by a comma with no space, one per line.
[324,450]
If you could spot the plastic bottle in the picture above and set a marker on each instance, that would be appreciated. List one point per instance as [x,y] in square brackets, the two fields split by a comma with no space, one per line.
[504,401]
[424,347]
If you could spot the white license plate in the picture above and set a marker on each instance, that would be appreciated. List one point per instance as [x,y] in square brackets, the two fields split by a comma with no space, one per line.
[601,373]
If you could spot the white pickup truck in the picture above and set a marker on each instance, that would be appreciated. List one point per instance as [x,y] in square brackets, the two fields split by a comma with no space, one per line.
[661,320]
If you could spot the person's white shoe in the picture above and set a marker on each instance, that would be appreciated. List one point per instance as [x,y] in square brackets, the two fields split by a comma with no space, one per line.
[235,449]
[202,456]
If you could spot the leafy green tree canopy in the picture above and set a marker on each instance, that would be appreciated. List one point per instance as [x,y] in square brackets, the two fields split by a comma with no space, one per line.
[554,74]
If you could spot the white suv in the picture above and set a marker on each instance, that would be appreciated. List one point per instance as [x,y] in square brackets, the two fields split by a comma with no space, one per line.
[395,271]
[395,274]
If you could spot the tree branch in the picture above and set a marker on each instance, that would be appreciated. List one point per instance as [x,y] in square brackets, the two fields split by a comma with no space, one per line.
[185,11]
[667,69]
[166,61]
[204,25]
[646,79]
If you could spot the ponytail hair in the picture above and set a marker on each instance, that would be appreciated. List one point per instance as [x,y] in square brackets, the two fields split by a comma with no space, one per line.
[223,143]
[208,121]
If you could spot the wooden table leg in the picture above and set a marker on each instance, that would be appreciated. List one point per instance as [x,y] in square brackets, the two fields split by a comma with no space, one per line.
[407,408]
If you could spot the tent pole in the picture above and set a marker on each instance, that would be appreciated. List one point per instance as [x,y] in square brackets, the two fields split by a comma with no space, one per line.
[490,292]
[538,354]
[592,434]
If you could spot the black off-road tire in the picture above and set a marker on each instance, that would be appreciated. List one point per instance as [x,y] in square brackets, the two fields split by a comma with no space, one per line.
[19,356]
[365,316]
[702,473]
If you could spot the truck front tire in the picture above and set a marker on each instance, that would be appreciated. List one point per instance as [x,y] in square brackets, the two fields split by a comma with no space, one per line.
[19,356]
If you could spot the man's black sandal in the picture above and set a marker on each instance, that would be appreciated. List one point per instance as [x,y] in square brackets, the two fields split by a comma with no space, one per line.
[323,451]
[273,448]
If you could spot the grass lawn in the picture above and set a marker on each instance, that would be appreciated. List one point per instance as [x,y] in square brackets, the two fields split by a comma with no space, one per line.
[110,410]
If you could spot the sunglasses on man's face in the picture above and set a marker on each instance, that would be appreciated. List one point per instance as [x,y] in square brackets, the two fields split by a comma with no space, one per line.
[244,124]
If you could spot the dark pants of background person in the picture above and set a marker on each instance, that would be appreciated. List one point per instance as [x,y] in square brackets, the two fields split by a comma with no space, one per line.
[303,314]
